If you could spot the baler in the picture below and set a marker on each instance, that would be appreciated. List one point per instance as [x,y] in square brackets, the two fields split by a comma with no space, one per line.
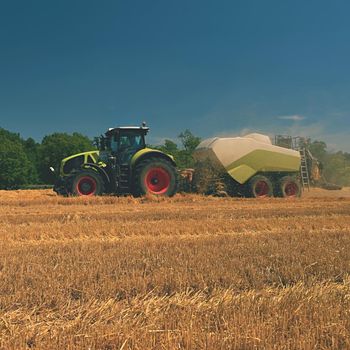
[247,166]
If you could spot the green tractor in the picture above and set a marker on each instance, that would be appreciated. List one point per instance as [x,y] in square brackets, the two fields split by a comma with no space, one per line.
[123,164]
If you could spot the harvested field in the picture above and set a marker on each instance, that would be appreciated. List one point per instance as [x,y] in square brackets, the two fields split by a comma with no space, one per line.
[188,272]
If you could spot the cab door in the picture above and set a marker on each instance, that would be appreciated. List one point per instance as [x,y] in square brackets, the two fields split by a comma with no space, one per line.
[129,143]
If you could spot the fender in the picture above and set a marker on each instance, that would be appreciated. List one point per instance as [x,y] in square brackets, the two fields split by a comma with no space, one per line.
[149,152]
[100,170]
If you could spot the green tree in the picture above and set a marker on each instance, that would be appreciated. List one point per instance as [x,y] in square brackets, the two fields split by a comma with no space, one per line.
[318,149]
[57,146]
[337,168]
[15,167]
[170,147]
[189,141]
[183,157]
[31,148]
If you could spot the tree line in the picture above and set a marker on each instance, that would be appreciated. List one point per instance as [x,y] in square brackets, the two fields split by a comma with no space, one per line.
[27,162]
[336,166]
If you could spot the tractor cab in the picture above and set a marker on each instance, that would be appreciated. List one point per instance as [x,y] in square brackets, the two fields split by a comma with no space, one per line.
[123,142]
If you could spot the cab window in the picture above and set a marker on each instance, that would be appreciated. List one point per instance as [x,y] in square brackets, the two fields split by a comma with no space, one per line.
[130,141]
[114,143]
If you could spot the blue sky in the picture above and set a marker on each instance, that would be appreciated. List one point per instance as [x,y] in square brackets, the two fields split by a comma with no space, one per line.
[215,67]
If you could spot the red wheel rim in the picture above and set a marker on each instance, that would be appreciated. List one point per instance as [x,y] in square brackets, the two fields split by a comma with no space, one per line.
[157,180]
[262,188]
[86,186]
[291,189]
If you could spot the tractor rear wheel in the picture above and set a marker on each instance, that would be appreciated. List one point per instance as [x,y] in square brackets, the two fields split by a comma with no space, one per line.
[87,183]
[289,186]
[260,186]
[155,176]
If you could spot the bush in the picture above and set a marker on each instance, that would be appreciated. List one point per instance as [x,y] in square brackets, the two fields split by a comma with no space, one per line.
[15,167]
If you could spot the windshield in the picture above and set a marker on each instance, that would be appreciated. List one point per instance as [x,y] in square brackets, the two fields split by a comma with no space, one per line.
[126,140]
[130,141]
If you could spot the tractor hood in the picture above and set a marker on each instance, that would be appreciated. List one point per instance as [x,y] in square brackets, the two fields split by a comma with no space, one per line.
[76,160]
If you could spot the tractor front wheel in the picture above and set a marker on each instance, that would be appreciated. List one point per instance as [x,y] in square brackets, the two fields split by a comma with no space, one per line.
[155,176]
[87,183]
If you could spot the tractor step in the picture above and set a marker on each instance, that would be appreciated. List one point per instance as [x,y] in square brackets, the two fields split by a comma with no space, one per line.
[124,179]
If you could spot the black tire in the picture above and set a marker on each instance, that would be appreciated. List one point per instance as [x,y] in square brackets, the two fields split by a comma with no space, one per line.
[86,183]
[288,187]
[259,186]
[155,176]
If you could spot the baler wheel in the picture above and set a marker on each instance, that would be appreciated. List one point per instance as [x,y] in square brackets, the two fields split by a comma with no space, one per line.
[288,187]
[260,186]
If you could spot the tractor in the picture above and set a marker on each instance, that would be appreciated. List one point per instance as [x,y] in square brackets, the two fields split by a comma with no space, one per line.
[123,164]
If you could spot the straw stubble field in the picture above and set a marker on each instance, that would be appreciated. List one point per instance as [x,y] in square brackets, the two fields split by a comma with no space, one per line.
[188,272]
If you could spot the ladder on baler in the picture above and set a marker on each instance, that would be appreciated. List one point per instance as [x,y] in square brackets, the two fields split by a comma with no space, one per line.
[304,171]
[298,144]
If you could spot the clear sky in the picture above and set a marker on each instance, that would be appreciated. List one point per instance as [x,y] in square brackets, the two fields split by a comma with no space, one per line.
[216,67]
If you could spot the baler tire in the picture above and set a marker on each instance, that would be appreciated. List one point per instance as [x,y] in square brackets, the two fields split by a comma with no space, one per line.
[260,186]
[155,176]
[289,187]
[86,183]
